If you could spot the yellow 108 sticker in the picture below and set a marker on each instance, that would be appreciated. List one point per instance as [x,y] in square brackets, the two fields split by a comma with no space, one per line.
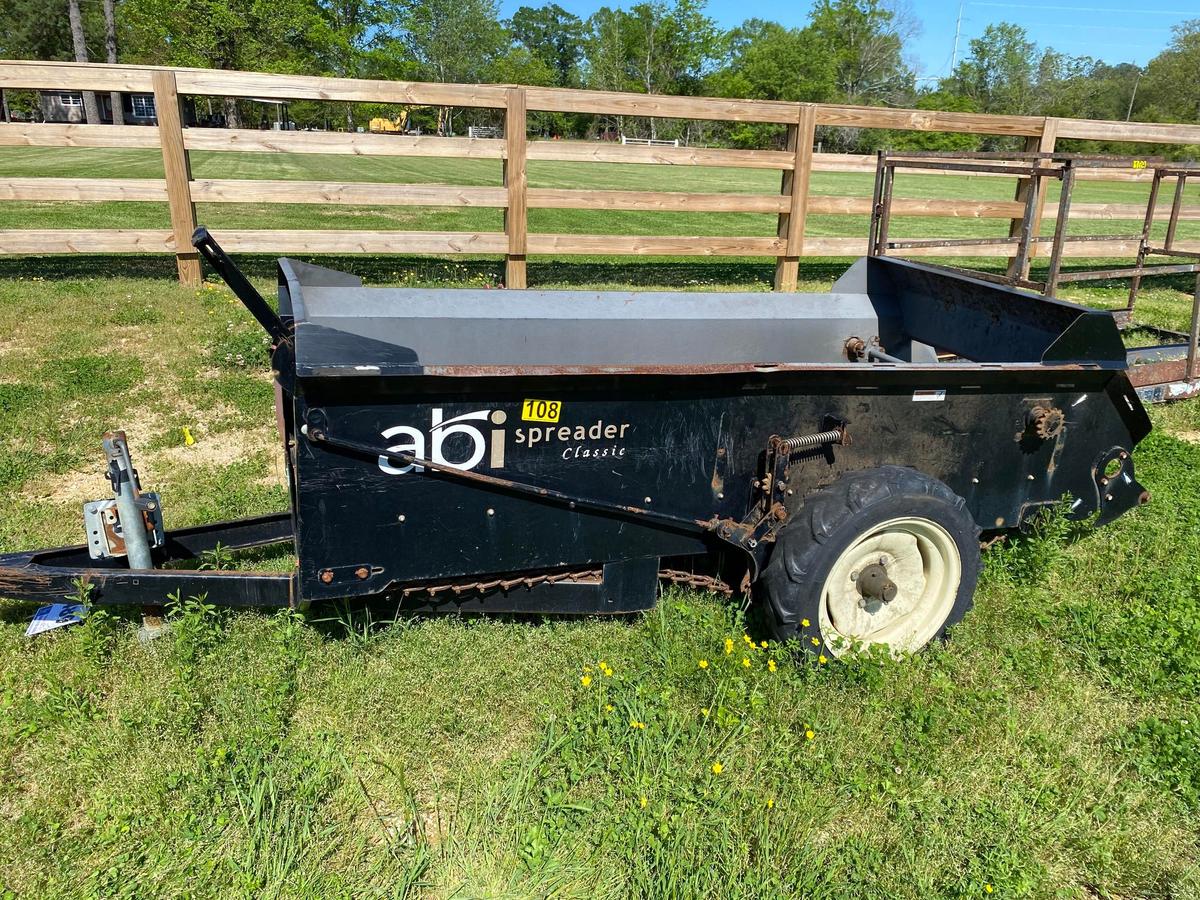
[541,410]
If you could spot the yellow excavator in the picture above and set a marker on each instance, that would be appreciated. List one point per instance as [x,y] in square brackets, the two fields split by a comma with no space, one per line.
[380,125]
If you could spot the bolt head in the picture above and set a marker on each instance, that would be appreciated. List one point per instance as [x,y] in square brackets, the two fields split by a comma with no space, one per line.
[326,576]
[491,512]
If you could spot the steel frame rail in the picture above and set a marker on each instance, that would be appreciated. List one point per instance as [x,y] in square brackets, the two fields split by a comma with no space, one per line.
[1061,166]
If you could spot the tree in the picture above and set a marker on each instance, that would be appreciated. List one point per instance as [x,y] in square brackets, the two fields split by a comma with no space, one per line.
[110,54]
[553,36]
[770,62]
[653,48]
[999,73]
[669,47]
[256,35]
[346,36]
[607,56]
[865,42]
[35,29]
[451,40]
[1171,89]
[91,111]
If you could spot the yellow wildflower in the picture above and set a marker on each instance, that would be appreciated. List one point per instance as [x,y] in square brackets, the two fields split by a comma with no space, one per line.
[703,664]
[809,735]
[770,803]
[705,711]
[585,680]
[642,801]
[745,662]
[815,641]
[763,645]
[770,665]
[822,659]
[634,723]
[187,436]
[804,623]
[608,707]
[728,646]
[746,638]
[717,768]
[987,888]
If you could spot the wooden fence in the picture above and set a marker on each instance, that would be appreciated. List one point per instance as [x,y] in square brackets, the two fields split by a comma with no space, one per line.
[791,205]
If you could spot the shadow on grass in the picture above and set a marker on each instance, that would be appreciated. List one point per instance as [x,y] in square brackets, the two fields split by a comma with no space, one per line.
[673,273]
[648,272]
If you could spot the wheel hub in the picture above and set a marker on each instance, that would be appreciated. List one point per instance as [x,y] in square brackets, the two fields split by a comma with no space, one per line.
[874,584]
[894,585]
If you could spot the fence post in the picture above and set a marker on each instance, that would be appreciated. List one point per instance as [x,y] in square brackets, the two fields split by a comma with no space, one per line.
[1043,143]
[516,219]
[795,184]
[178,171]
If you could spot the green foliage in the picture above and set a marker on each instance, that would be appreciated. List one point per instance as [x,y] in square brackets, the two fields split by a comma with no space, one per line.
[1168,753]
[865,42]
[1171,92]
[999,75]
[450,40]
[553,36]
[938,140]
[771,62]
[265,35]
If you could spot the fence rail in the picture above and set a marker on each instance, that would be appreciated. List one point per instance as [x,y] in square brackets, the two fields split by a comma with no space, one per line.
[791,205]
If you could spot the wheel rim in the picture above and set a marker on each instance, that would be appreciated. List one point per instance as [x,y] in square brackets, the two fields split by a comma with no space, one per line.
[920,559]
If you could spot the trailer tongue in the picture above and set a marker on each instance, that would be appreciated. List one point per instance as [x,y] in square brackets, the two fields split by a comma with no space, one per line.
[543,452]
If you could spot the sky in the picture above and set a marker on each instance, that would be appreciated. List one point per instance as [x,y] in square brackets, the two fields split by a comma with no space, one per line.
[1111,30]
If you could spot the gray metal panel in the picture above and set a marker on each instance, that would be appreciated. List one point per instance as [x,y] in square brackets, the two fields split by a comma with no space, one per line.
[405,327]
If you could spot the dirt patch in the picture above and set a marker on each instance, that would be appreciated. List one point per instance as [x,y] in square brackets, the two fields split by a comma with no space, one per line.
[1192,437]
[223,449]
[156,467]
[70,487]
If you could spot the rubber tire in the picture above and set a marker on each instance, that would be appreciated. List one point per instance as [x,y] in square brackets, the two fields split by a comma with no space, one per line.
[832,518]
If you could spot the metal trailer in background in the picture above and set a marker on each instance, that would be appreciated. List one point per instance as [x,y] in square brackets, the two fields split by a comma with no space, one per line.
[1160,372]
[839,454]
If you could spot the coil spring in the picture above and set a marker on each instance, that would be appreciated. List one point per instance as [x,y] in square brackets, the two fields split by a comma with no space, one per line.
[809,441]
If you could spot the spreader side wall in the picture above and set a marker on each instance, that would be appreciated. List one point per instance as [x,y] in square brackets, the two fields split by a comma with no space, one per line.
[688,446]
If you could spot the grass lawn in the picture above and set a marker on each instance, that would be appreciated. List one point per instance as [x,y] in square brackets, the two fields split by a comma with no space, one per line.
[30,162]
[1050,749]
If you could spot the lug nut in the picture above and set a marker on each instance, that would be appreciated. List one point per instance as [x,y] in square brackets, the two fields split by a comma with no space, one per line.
[362,572]
[326,576]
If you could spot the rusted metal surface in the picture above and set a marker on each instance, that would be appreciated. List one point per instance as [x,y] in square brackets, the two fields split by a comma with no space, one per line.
[1128,272]
[466,587]
[1046,422]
